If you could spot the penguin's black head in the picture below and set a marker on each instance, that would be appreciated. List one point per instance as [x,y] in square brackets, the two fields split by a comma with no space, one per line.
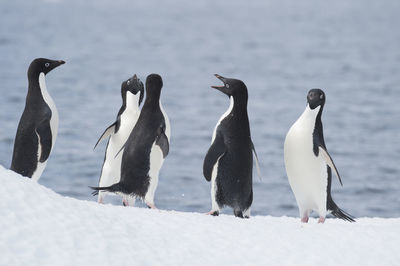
[133,85]
[231,87]
[43,65]
[315,98]
[154,84]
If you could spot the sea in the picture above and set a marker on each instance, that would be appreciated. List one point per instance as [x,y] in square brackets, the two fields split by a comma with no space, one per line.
[279,49]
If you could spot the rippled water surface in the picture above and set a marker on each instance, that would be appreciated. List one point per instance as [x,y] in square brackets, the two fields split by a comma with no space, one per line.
[280,49]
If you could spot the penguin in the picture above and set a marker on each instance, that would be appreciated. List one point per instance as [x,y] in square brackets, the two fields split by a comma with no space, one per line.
[132,91]
[309,165]
[38,126]
[228,163]
[145,150]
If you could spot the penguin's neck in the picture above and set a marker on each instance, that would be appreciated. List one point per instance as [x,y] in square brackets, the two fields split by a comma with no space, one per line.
[152,100]
[309,117]
[45,94]
[38,89]
[132,101]
[238,107]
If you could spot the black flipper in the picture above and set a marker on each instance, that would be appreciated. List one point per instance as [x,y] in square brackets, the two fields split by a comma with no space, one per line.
[113,188]
[216,150]
[162,141]
[106,133]
[44,137]
[257,161]
[337,212]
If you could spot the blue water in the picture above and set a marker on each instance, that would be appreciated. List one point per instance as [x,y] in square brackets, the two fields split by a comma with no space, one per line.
[280,49]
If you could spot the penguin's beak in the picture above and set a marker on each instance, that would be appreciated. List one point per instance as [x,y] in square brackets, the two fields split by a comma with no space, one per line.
[224,89]
[57,63]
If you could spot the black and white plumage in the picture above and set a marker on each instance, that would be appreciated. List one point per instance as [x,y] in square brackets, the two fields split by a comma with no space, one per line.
[308,163]
[132,92]
[38,126]
[145,149]
[229,161]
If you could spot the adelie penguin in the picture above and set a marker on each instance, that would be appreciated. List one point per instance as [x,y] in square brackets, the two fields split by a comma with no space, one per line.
[132,91]
[308,163]
[229,161]
[38,126]
[145,150]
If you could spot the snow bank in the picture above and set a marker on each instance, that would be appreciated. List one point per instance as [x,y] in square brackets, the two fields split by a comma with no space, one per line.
[40,227]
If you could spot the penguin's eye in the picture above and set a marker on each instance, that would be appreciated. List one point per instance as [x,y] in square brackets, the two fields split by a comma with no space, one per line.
[47,64]
[321,97]
[128,82]
[227,86]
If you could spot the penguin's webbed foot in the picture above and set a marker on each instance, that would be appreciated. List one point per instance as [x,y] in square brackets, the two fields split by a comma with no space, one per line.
[321,220]
[213,213]
[151,206]
[304,219]
[125,203]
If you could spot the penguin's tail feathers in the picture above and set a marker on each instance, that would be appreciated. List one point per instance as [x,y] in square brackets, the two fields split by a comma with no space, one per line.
[113,188]
[339,213]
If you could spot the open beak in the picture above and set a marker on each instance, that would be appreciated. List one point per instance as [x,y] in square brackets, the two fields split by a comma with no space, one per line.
[223,88]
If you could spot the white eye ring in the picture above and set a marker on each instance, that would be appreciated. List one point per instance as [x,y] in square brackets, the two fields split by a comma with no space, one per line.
[47,64]
[128,82]
[321,97]
[227,86]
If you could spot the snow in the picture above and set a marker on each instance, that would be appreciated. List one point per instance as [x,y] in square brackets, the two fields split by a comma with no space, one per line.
[40,227]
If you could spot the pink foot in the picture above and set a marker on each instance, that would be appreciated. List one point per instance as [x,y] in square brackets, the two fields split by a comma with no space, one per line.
[152,206]
[321,220]
[213,213]
[100,201]
[304,219]
[125,203]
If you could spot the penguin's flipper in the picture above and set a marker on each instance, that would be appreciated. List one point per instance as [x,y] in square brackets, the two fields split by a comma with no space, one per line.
[329,162]
[257,161]
[118,187]
[43,132]
[337,212]
[162,141]
[106,133]
[216,151]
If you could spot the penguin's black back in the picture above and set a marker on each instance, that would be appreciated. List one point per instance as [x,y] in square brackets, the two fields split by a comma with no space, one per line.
[25,154]
[136,157]
[234,177]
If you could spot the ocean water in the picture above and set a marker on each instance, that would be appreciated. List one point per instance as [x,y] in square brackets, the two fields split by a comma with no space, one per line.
[280,49]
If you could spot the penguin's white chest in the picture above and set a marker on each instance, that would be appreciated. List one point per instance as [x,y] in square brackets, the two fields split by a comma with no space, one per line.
[53,126]
[223,116]
[156,161]
[111,172]
[156,155]
[49,101]
[306,172]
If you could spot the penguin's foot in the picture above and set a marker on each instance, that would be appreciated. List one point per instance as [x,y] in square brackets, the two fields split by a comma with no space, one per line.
[321,220]
[304,219]
[151,206]
[100,200]
[213,213]
[125,203]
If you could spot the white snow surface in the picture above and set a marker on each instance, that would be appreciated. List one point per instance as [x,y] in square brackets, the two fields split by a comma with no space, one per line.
[41,227]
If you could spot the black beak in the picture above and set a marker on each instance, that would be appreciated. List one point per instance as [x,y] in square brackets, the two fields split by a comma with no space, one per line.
[57,63]
[224,88]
